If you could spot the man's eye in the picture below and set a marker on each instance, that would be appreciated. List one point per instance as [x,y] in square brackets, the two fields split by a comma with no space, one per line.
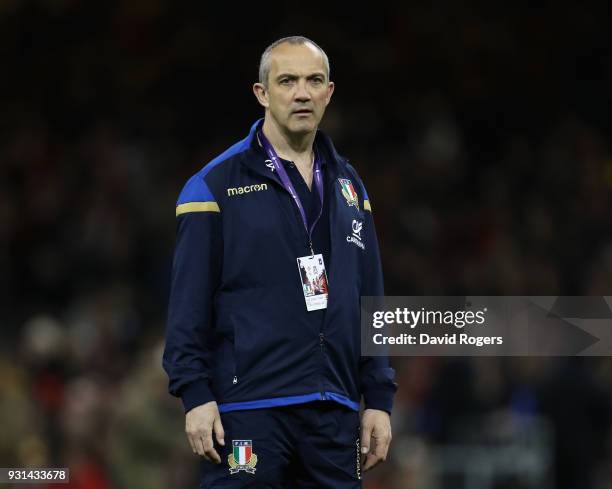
[285,81]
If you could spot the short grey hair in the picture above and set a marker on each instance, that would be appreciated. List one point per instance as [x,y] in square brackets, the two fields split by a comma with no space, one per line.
[264,63]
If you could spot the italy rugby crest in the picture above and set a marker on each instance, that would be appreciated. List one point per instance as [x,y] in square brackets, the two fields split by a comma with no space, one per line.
[242,457]
[348,192]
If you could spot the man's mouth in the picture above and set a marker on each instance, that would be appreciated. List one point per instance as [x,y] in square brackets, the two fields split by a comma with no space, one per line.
[302,111]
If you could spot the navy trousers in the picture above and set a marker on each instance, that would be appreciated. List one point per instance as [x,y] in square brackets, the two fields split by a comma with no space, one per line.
[312,445]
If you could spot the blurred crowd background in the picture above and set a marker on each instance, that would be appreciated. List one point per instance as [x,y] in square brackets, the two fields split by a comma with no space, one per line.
[482,132]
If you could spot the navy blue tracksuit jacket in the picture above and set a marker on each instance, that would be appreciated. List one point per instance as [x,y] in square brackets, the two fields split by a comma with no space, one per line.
[238,329]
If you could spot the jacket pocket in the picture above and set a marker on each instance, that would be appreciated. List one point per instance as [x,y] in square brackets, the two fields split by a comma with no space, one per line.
[224,365]
[238,371]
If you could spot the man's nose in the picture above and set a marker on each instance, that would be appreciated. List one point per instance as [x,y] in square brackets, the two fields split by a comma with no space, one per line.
[302,94]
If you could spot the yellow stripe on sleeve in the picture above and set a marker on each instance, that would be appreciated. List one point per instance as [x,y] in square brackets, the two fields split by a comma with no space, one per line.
[197,207]
[367,206]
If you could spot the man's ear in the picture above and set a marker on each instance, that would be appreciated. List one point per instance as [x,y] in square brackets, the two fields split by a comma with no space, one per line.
[330,91]
[261,93]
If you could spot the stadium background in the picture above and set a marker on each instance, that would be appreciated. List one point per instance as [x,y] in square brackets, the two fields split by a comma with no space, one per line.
[482,133]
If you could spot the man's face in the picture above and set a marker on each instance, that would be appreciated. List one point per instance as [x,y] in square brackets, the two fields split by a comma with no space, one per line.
[298,89]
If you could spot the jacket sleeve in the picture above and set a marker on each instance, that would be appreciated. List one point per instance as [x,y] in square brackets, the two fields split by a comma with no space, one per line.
[376,376]
[196,271]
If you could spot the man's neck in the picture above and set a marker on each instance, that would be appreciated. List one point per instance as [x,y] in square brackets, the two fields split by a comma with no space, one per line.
[292,147]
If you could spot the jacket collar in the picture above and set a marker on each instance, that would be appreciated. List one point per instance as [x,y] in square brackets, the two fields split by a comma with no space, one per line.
[255,158]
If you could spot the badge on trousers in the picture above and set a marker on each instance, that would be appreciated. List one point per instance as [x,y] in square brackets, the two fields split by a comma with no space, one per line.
[242,457]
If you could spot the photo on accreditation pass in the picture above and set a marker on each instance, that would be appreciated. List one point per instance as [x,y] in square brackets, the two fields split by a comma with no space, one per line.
[312,273]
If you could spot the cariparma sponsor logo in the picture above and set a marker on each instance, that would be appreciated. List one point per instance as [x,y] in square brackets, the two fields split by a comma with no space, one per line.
[348,192]
[242,457]
[355,237]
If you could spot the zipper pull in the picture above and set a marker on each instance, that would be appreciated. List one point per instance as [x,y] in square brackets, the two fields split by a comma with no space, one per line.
[235,381]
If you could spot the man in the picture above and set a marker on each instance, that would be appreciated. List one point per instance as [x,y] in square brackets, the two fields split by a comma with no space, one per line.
[270,376]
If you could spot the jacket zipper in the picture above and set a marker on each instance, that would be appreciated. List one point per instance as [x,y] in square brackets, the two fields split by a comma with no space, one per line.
[322,347]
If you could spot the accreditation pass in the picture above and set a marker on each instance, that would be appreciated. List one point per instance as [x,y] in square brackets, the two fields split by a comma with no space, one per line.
[314,281]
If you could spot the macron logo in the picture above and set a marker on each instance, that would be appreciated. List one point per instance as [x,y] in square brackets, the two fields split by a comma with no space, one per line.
[246,189]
